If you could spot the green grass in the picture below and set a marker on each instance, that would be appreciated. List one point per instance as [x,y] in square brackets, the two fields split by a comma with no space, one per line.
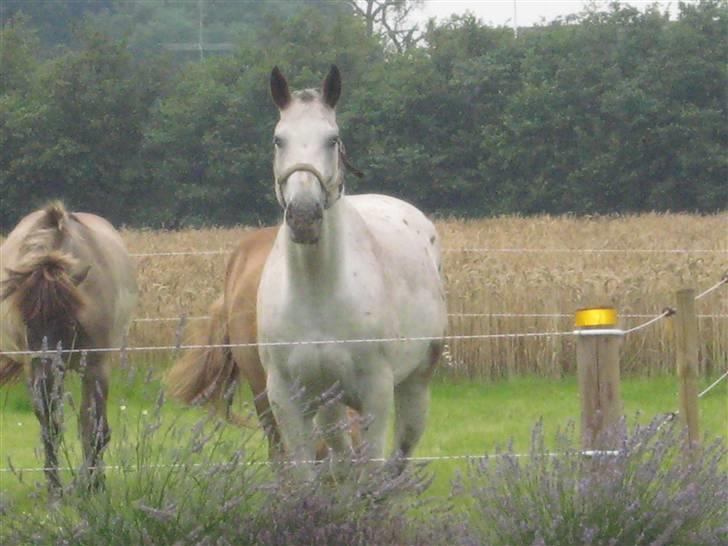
[465,418]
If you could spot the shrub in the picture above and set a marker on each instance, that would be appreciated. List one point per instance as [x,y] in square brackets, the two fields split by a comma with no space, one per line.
[177,482]
[382,509]
[651,491]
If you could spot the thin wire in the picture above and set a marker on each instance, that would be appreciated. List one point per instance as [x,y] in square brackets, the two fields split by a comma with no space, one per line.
[717,285]
[592,250]
[424,458]
[453,315]
[482,251]
[665,313]
[713,385]
[171,319]
[551,315]
[180,253]
[287,343]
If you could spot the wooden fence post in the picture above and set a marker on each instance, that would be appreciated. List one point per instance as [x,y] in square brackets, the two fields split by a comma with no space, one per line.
[597,355]
[686,339]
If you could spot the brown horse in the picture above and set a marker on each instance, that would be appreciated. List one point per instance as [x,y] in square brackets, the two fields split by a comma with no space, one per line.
[67,281]
[209,375]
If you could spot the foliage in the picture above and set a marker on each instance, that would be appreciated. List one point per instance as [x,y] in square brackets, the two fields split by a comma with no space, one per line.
[176,483]
[390,19]
[55,21]
[179,480]
[75,131]
[612,111]
[652,491]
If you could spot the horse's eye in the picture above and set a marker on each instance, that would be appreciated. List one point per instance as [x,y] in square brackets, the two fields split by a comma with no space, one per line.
[277,142]
[333,141]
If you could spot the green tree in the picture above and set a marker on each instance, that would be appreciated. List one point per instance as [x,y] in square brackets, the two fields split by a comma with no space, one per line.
[209,142]
[610,111]
[76,133]
[57,20]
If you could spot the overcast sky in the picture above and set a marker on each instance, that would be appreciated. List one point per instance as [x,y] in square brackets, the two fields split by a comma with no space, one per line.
[528,12]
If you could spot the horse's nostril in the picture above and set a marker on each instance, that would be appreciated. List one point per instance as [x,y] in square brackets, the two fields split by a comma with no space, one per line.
[304,220]
[304,213]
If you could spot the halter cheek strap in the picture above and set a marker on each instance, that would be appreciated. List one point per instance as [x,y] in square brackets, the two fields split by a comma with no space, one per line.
[347,164]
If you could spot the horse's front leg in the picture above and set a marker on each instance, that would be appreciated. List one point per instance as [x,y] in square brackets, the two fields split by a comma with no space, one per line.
[333,421]
[250,364]
[46,389]
[94,424]
[295,421]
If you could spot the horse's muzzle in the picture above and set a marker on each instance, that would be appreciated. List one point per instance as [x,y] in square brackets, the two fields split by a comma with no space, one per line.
[303,218]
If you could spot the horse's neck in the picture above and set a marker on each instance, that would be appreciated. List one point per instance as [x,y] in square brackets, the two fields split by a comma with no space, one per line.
[323,265]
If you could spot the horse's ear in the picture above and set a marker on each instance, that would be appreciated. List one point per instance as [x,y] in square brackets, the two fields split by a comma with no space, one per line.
[279,89]
[79,277]
[331,87]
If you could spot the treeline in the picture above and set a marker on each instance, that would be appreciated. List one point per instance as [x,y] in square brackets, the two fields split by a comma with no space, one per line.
[612,111]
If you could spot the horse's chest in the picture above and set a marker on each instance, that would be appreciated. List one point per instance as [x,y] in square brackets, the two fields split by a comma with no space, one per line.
[317,308]
[324,322]
[325,338]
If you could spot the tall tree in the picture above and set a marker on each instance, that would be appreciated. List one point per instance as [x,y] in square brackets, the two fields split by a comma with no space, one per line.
[76,133]
[390,19]
[56,21]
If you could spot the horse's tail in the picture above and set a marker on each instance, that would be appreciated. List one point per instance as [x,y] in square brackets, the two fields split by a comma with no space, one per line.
[208,375]
[42,287]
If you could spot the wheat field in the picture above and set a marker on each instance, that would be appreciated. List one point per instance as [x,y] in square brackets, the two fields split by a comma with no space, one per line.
[554,276]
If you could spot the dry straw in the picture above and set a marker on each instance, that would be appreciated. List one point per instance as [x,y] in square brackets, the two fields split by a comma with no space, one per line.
[495,287]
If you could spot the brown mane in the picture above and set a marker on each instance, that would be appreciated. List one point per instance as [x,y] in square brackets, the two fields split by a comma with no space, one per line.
[43,290]
[42,286]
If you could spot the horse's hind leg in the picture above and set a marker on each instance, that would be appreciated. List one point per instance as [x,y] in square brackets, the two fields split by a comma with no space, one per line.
[411,401]
[46,388]
[94,424]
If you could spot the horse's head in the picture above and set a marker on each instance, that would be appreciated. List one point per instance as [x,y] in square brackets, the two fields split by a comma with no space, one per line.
[309,157]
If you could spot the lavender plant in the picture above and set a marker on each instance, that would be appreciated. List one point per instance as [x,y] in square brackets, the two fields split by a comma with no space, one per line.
[372,506]
[175,482]
[171,480]
[652,490]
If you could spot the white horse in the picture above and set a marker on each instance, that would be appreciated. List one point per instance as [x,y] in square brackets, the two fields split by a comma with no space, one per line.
[343,268]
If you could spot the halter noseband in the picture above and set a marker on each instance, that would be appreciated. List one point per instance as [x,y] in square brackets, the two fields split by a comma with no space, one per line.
[307,167]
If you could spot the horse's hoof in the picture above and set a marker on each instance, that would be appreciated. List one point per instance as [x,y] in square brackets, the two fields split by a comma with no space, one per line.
[91,482]
[97,484]
[55,492]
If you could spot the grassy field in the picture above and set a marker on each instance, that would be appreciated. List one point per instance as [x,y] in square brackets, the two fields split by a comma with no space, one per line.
[491,289]
[467,418]
[488,393]
[555,276]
